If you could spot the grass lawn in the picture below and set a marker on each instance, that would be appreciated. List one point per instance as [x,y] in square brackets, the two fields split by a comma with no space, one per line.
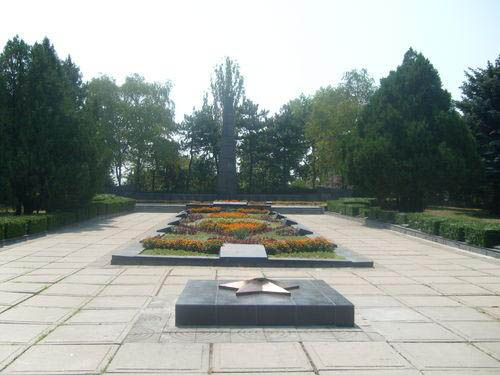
[175,252]
[309,255]
[475,214]
[185,253]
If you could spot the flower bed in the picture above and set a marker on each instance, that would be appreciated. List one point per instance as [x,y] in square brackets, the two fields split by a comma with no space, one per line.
[204,231]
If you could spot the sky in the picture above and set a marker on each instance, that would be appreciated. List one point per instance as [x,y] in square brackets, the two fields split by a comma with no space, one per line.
[284,47]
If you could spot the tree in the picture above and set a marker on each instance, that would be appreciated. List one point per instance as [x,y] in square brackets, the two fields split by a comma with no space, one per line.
[148,114]
[51,158]
[286,136]
[250,124]
[332,124]
[200,139]
[227,90]
[411,145]
[480,105]
[104,107]
[15,62]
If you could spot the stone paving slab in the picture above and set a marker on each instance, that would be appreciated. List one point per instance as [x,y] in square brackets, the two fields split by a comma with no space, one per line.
[352,355]
[156,357]
[29,314]
[85,334]
[62,359]
[445,356]
[418,294]
[257,357]
[21,333]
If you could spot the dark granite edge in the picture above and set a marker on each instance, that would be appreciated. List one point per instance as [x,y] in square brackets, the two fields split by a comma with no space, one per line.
[416,233]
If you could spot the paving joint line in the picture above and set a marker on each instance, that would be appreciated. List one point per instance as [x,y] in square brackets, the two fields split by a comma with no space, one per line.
[309,358]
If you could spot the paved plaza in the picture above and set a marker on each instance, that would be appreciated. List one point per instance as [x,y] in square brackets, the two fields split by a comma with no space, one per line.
[424,308]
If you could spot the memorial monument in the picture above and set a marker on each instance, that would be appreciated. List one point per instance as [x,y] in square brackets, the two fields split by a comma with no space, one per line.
[227,90]
[226,184]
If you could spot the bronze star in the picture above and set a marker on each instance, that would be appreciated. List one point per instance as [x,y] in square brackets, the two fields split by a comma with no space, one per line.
[259,285]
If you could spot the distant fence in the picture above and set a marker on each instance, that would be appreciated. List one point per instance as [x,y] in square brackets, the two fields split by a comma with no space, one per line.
[157,196]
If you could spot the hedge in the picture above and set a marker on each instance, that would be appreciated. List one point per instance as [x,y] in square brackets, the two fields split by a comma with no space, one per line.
[452,230]
[472,232]
[486,235]
[17,226]
[36,224]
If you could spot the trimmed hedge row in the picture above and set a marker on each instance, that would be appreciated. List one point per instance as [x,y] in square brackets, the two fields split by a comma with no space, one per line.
[472,232]
[104,204]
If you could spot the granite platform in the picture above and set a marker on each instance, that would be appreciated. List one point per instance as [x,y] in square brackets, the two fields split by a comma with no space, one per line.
[314,303]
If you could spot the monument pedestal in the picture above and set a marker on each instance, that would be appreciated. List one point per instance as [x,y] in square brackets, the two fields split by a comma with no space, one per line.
[314,303]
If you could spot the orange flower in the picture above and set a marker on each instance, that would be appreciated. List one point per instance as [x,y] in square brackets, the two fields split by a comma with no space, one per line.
[229,214]
[204,210]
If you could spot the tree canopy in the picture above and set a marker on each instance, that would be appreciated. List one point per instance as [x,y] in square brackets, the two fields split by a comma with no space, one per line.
[62,139]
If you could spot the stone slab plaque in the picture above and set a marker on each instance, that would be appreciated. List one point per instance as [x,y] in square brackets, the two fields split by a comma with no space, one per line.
[313,303]
[242,252]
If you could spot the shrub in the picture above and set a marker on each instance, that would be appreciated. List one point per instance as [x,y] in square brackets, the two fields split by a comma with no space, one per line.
[37,224]
[16,227]
[93,210]
[426,223]
[359,201]
[292,246]
[82,214]
[210,246]
[54,221]
[373,213]
[401,218]
[2,229]
[481,234]
[352,210]
[452,230]
[387,216]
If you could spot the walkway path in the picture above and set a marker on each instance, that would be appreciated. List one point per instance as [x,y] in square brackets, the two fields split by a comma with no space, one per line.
[424,309]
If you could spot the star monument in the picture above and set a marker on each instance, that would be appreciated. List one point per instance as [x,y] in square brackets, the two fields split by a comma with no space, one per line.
[259,285]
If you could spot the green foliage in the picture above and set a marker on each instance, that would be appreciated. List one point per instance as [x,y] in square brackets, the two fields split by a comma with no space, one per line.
[425,223]
[481,108]
[36,224]
[387,216]
[486,235]
[411,144]
[453,230]
[401,218]
[51,157]
[15,227]
[360,201]
[354,207]
[333,118]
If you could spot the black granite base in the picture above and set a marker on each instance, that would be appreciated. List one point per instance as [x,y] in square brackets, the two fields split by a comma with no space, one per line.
[314,303]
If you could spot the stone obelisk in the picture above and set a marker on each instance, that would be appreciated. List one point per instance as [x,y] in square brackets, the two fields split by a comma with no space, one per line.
[227,158]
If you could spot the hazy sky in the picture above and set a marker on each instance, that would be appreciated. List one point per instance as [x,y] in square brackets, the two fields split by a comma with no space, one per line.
[284,48]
